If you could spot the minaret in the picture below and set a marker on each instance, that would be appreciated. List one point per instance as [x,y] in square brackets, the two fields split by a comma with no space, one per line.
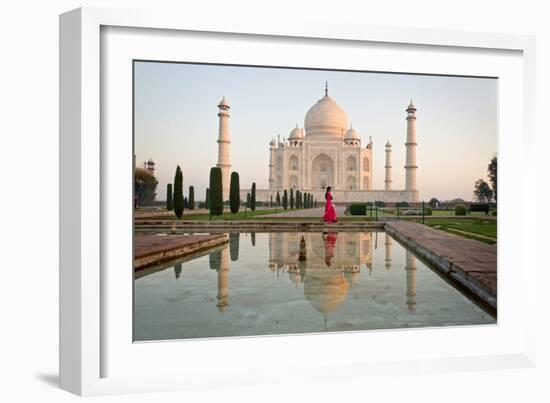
[387,244]
[387,181]
[224,142]
[271,164]
[223,271]
[410,164]
[410,268]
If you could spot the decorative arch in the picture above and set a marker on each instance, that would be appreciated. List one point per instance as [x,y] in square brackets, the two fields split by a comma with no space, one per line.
[293,163]
[366,164]
[366,184]
[351,183]
[351,163]
[322,171]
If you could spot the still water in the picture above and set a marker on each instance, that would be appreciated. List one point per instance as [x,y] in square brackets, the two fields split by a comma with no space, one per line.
[280,283]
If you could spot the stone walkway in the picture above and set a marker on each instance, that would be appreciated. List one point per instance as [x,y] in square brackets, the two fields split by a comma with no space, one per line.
[311,212]
[154,249]
[470,263]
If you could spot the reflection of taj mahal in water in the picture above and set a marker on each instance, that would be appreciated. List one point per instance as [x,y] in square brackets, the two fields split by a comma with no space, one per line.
[325,265]
[326,152]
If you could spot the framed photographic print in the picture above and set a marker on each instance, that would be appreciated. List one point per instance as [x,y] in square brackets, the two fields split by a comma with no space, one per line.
[259,194]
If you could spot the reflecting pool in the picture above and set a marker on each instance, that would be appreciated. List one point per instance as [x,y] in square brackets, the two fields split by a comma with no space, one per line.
[281,283]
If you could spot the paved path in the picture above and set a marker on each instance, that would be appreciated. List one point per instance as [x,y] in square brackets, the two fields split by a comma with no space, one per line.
[470,263]
[153,249]
[310,212]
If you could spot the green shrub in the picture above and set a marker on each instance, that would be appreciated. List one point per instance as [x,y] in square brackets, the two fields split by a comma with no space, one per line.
[428,211]
[169,198]
[178,193]
[253,197]
[358,209]
[460,209]
[234,193]
[379,204]
[191,198]
[216,191]
[402,204]
[494,212]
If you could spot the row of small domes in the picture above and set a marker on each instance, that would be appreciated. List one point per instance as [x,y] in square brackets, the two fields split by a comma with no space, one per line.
[298,134]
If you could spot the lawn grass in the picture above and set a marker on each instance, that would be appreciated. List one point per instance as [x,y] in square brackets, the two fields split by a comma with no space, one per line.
[469,228]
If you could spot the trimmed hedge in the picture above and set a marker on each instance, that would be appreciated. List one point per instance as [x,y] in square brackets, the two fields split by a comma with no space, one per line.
[216,191]
[358,209]
[460,209]
[234,193]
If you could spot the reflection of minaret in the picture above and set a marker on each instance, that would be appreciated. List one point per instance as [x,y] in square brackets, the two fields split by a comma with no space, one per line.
[234,238]
[224,142]
[410,268]
[177,270]
[387,244]
[223,272]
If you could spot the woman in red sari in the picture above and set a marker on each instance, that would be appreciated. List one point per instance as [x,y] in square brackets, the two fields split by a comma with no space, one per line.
[330,214]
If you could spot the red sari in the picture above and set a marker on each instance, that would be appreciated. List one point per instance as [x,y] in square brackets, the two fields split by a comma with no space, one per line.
[330,214]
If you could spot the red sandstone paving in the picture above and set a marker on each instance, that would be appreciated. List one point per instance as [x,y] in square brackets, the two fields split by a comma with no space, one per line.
[474,258]
[147,245]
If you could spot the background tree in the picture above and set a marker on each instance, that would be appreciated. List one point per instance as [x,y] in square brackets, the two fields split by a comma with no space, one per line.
[482,191]
[248,200]
[291,198]
[278,199]
[270,200]
[178,193]
[433,202]
[185,202]
[216,191]
[169,198]
[492,171]
[298,194]
[285,199]
[191,198]
[207,199]
[234,193]
[253,197]
[145,186]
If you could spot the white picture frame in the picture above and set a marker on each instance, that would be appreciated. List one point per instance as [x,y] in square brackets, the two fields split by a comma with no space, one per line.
[85,159]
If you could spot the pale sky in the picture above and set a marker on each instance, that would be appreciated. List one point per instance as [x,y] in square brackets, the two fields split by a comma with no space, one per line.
[176,121]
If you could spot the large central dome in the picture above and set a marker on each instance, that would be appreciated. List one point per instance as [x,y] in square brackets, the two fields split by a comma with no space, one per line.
[326,118]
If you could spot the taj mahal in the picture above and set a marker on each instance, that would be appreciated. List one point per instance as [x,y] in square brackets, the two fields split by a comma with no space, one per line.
[327,151]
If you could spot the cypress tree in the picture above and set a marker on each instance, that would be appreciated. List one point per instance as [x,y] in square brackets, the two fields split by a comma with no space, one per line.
[234,193]
[185,202]
[306,200]
[270,200]
[191,198]
[285,199]
[216,191]
[315,203]
[278,199]
[207,198]
[291,198]
[178,193]
[169,198]
[253,197]
[298,193]
[234,239]
[248,200]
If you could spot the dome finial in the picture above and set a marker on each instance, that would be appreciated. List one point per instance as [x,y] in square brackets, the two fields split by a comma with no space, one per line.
[326,88]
